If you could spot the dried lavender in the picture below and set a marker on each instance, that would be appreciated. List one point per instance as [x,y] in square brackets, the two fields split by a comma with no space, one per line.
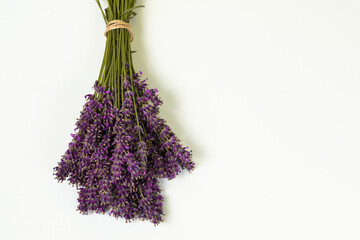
[120,146]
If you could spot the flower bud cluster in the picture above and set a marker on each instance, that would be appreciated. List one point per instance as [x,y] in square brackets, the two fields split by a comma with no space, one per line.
[118,154]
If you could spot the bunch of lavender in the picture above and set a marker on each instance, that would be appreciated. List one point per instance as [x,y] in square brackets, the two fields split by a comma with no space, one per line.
[121,147]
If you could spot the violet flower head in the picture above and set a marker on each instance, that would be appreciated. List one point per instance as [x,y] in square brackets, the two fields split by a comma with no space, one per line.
[117,154]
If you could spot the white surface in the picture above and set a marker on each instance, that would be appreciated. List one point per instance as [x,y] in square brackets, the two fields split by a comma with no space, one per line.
[266,93]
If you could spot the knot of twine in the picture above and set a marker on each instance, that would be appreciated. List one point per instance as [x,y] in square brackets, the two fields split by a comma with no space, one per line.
[118,24]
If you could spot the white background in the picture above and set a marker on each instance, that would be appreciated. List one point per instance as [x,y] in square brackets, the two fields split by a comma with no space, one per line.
[266,93]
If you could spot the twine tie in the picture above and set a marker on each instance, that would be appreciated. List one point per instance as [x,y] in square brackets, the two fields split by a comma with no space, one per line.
[119,24]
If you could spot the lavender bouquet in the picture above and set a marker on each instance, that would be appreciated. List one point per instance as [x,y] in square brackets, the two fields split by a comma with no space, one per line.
[121,147]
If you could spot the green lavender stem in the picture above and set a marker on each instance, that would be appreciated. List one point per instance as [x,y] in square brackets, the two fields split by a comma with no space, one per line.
[118,53]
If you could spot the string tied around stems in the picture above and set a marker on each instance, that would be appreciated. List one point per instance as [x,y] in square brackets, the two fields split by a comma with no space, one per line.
[119,24]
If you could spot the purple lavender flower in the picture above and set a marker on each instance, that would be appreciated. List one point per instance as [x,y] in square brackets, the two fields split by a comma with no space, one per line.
[117,154]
